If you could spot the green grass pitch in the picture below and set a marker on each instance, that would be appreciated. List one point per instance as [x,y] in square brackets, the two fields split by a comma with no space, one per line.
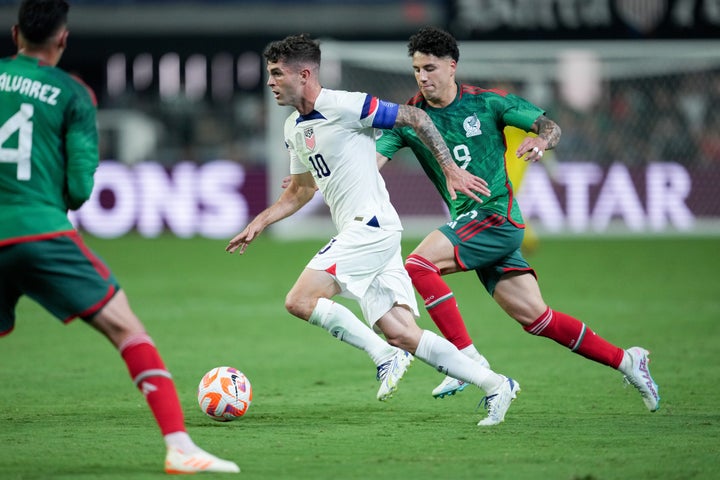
[68,409]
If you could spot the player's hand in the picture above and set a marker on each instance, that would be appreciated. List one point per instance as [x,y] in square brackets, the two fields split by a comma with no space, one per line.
[240,242]
[459,180]
[534,147]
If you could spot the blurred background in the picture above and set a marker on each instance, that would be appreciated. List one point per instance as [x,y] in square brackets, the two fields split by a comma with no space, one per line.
[191,144]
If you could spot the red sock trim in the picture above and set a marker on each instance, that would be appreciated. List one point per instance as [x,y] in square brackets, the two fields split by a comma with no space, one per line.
[439,300]
[149,374]
[575,335]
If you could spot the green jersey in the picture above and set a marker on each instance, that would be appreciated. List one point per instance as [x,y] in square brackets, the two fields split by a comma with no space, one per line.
[48,148]
[472,127]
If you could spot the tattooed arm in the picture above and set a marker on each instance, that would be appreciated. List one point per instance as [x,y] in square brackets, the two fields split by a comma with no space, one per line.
[458,180]
[548,131]
[548,136]
[426,131]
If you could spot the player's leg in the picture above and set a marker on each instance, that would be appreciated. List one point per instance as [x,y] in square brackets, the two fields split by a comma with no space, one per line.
[81,285]
[433,257]
[519,295]
[426,265]
[10,292]
[310,300]
[442,307]
[121,326]
[436,256]
[346,266]
[401,330]
[148,372]
[390,306]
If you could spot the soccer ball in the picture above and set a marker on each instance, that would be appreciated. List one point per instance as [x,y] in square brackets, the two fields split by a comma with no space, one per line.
[224,394]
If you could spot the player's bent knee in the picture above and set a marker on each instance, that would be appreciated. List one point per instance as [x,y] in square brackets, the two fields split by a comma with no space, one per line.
[403,342]
[298,306]
[116,320]
[401,334]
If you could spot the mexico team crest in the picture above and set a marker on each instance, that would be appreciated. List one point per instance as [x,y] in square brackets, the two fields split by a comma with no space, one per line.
[472,126]
[309,135]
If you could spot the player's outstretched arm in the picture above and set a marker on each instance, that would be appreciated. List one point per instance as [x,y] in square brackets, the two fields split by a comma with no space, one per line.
[458,180]
[299,191]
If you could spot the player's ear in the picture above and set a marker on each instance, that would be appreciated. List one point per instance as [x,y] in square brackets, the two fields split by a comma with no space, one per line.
[62,39]
[15,32]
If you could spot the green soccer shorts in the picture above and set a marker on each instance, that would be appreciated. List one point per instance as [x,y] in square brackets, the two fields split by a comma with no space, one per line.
[488,244]
[59,272]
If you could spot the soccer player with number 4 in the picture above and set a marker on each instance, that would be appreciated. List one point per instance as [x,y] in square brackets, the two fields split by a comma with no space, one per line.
[48,156]
[485,236]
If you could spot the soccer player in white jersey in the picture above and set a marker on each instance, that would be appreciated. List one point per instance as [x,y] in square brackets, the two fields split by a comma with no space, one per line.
[330,138]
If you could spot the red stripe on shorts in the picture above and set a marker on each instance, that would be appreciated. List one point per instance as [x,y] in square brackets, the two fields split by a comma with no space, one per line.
[34,238]
[100,267]
[474,227]
[89,312]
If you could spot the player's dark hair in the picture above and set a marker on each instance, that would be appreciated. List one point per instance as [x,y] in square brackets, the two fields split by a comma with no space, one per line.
[294,49]
[434,41]
[39,20]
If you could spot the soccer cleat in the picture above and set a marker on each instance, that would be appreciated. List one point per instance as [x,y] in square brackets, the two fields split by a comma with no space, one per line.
[640,377]
[201,461]
[390,373]
[498,402]
[451,385]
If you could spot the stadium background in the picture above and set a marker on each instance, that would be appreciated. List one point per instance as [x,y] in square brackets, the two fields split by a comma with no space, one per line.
[189,151]
[190,144]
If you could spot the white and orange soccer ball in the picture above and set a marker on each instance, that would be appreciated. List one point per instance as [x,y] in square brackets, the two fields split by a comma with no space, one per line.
[224,394]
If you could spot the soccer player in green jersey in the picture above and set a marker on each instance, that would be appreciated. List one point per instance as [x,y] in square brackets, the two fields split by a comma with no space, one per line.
[486,237]
[48,155]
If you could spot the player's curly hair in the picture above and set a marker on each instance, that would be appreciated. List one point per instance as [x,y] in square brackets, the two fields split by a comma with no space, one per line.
[39,20]
[294,49]
[434,41]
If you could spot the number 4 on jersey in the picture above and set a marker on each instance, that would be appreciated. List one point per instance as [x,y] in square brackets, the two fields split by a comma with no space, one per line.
[20,123]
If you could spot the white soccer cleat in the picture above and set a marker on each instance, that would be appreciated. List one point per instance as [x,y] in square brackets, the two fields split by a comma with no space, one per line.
[450,386]
[640,377]
[391,372]
[498,402]
[178,462]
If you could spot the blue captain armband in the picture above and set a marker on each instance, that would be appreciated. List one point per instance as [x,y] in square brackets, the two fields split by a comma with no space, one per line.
[386,114]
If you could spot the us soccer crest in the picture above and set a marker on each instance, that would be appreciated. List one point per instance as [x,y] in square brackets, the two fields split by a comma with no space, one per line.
[472,126]
[309,135]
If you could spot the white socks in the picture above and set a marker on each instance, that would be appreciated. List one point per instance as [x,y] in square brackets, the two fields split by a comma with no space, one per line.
[181,441]
[344,325]
[446,358]
[471,351]
[625,366]
[432,349]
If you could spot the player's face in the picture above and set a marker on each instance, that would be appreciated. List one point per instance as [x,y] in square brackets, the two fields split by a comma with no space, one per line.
[285,83]
[435,77]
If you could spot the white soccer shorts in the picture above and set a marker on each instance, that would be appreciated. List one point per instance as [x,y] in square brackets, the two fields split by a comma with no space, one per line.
[367,265]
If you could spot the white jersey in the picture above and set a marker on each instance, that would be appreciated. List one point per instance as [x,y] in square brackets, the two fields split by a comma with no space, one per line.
[336,142]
